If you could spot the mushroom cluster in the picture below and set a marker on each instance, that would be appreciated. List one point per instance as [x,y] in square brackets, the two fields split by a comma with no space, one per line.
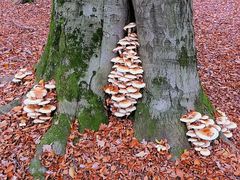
[202,129]
[226,125]
[39,102]
[21,75]
[126,77]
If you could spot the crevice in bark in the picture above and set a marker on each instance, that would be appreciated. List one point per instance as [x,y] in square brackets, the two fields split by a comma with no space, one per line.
[131,12]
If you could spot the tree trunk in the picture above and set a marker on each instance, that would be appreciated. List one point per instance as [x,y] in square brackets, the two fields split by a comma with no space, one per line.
[77,55]
[167,49]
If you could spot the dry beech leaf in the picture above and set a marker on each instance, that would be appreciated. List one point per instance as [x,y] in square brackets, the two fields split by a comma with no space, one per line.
[71,172]
[141,154]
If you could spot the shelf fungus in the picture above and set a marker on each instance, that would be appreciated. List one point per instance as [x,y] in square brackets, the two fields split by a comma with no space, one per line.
[202,129]
[125,80]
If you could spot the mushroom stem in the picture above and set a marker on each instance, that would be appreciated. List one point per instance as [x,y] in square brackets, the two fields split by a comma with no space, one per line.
[129,31]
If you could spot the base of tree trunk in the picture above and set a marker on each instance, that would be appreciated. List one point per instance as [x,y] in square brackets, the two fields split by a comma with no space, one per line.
[56,136]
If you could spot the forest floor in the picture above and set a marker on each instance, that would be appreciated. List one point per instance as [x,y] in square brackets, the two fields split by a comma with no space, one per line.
[113,152]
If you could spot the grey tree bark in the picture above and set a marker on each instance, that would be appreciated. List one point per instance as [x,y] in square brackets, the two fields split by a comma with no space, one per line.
[77,55]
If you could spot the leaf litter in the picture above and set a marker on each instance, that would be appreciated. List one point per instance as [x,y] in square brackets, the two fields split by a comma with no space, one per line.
[113,151]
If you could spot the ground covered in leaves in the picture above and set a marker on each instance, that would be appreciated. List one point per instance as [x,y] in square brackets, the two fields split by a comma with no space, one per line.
[113,152]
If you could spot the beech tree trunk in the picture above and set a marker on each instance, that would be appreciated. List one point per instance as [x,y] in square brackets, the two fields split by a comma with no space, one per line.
[77,55]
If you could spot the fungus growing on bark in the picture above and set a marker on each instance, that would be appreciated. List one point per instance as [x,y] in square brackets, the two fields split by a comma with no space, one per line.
[126,79]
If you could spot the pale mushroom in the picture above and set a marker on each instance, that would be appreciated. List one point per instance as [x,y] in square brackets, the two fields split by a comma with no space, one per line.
[125,103]
[207,133]
[138,84]
[191,117]
[205,152]
[228,134]
[32,101]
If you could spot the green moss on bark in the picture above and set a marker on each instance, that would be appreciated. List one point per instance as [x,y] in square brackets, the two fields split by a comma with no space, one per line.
[184,58]
[56,136]
[93,114]
[203,104]
[143,114]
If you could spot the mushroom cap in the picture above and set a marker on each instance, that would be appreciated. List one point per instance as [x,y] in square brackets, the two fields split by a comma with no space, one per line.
[228,134]
[121,85]
[129,26]
[16,80]
[44,102]
[130,76]
[44,118]
[217,127]
[123,91]
[47,109]
[37,121]
[118,114]
[204,117]
[135,95]
[123,79]
[197,148]
[123,42]
[122,68]
[20,75]
[33,114]
[37,92]
[224,129]
[136,70]
[117,49]
[192,139]
[191,133]
[205,152]
[30,108]
[117,60]
[207,122]
[221,120]
[198,143]
[111,89]
[131,109]
[232,125]
[123,111]
[138,84]
[32,101]
[196,125]
[131,89]
[206,144]
[131,47]
[207,133]
[50,86]
[118,97]
[191,117]
[125,103]
[23,70]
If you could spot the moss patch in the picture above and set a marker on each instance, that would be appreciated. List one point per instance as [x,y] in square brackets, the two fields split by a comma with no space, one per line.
[93,115]
[57,136]
[66,56]
[203,104]
[148,125]
[158,81]
[184,58]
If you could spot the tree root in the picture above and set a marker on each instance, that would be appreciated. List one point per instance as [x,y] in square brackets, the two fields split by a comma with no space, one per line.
[56,136]
[6,108]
